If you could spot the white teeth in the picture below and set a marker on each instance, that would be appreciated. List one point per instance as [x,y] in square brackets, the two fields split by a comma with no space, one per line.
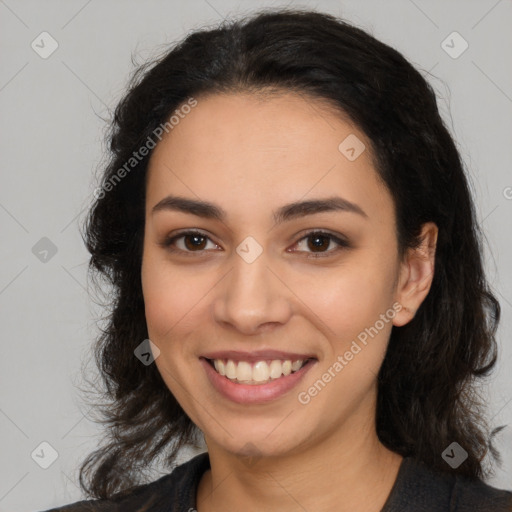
[296,365]
[260,371]
[230,370]
[276,369]
[243,371]
[220,366]
[257,373]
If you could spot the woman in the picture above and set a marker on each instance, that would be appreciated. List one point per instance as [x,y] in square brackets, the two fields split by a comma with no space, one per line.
[287,219]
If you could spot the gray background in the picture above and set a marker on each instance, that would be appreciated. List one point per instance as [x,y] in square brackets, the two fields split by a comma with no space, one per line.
[52,143]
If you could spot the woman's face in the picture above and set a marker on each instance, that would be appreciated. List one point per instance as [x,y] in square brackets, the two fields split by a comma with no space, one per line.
[253,291]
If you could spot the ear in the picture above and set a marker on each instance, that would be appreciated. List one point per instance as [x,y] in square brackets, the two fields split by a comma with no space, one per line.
[416,275]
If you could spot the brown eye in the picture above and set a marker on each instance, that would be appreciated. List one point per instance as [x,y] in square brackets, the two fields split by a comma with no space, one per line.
[189,242]
[193,242]
[320,243]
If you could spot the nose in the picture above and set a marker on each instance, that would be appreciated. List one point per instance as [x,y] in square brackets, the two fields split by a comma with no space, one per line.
[251,298]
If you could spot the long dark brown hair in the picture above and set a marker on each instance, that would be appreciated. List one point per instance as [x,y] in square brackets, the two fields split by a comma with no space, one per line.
[426,393]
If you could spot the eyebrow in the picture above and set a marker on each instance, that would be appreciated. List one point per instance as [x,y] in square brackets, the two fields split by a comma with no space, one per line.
[288,212]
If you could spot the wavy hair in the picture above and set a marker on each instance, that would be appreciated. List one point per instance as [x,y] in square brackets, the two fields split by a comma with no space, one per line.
[426,385]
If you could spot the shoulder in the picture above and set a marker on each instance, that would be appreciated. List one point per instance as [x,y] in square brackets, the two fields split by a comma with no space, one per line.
[420,488]
[171,492]
[476,495]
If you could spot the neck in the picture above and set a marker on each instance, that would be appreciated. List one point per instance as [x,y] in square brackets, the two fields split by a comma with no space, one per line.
[349,471]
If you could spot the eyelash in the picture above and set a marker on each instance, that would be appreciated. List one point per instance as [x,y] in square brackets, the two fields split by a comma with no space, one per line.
[342,244]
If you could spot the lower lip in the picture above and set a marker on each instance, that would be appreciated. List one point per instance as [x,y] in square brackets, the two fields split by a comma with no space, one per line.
[256,393]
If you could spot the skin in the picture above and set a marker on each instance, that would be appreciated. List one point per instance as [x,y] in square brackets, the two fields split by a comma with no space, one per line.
[250,157]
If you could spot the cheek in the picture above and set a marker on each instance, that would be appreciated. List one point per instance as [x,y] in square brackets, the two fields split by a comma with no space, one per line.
[167,298]
[171,307]
[176,303]
[350,299]
[356,311]
[161,304]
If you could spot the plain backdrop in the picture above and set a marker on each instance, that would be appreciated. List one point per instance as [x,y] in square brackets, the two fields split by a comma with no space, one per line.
[53,110]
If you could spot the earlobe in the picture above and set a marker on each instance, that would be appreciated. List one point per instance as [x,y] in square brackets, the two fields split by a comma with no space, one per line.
[416,275]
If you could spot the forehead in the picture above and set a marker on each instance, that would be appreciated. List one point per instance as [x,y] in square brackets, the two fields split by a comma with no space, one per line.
[248,149]
[275,125]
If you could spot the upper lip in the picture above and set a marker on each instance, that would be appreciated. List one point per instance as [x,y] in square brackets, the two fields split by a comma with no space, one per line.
[257,355]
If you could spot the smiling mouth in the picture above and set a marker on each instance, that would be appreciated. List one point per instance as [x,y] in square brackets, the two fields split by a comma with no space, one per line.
[257,372]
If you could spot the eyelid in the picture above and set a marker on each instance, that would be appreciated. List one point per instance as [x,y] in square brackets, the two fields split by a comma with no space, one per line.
[340,240]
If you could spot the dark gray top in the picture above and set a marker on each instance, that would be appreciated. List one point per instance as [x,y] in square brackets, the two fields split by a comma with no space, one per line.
[416,489]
